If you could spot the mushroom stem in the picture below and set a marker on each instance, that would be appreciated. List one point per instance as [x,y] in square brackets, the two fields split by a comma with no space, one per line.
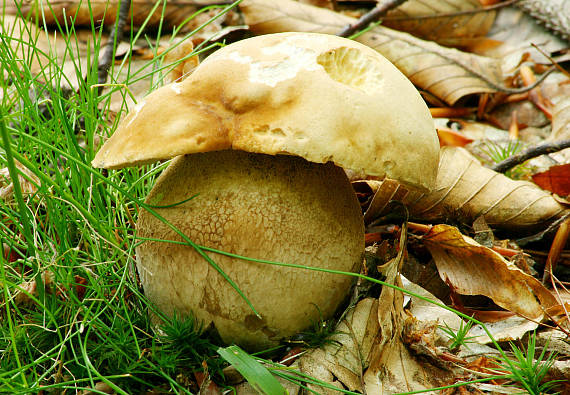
[279,208]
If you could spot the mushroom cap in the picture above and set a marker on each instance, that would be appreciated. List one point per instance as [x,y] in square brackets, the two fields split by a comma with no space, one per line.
[277,208]
[321,97]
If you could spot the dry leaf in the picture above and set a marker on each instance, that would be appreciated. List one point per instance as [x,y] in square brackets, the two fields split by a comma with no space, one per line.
[508,329]
[554,14]
[179,56]
[370,335]
[447,73]
[473,269]
[561,119]
[32,45]
[99,388]
[25,41]
[515,31]
[342,364]
[392,368]
[319,3]
[556,179]
[28,181]
[175,13]
[30,288]
[466,190]
[451,137]
[441,21]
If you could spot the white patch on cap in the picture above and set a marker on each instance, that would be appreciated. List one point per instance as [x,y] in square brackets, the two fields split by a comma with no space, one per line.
[271,72]
[176,88]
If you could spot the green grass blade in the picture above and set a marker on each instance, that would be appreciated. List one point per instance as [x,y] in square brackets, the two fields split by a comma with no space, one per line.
[255,373]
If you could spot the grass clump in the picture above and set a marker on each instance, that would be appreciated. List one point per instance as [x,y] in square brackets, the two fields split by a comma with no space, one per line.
[528,370]
[72,315]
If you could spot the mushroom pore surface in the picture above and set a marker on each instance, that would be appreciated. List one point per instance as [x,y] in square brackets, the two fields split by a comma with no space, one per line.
[277,208]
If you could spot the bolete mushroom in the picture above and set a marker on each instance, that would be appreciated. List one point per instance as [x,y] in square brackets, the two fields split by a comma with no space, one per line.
[260,132]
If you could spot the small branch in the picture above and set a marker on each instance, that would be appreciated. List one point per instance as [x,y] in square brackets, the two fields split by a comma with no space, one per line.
[370,17]
[115,37]
[532,152]
[556,249]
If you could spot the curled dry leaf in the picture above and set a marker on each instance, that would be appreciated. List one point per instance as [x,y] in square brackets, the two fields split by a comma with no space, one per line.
[176,12]
[441,21]
[30,288]
[453,138]
[181,61]
[447,73]
[28,181]
[466,190]
[473,269]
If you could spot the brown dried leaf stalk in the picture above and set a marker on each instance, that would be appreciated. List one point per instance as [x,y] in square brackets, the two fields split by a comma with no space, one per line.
[447,73]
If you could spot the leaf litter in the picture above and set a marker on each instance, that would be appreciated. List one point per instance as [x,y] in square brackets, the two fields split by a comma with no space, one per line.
[430,45]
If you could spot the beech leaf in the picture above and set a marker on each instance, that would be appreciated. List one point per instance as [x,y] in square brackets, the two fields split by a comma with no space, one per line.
[447,22]
[465,190]
[473,269]
[556,179]
[175,13]
[447,73]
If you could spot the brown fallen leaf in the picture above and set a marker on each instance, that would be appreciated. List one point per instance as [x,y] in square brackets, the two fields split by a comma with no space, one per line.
[180,60]
[99,388]
[27,289]
[25,42]
[447,22]
[175,13]
[451,137]
[561,119]
[473,269]
[29,182]
[371,336]
[514,31]
[32,46]
[447,73]
[466,190]
[320,3]
[556,179]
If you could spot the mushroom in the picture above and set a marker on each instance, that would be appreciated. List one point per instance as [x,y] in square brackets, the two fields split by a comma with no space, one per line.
[260,133]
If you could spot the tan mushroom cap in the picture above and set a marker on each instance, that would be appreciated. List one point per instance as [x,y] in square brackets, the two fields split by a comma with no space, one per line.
[321,97]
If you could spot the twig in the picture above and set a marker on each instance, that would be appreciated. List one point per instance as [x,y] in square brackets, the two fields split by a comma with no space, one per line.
[558,244]
[532,152]
[115,37]
[370,17]
[560,68]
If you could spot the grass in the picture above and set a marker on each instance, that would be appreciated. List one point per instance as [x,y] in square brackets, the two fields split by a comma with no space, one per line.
[72,240]
[72,315]
[459,337]
[528,370]
[496,152]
